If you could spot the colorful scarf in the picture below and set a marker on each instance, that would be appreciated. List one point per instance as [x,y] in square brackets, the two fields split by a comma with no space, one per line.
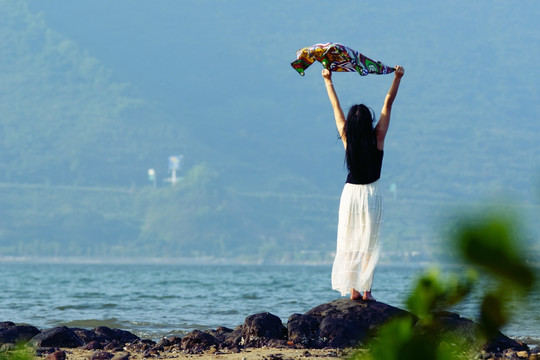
[336,57]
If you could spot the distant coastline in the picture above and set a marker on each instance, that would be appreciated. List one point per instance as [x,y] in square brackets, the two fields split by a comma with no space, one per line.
[207,260]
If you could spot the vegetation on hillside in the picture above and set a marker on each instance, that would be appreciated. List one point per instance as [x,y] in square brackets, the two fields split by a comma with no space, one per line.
[86,110]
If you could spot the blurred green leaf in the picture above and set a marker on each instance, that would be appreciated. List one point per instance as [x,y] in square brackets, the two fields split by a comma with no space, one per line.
[493,245]
[492,315]
[398,340]
[431,293]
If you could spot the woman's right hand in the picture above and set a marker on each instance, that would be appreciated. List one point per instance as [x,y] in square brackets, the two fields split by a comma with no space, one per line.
[327,74]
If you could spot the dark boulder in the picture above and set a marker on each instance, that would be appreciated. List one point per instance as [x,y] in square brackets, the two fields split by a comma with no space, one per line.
[140,345]
[221,333]
[338,333]
[60,336]
[227,338]
[369,314]
[303,330]
[233,340]
[106,336]
[168,344]
[465,332]
[122,336]
[345,322]
[503,342]
[198,341]
[162,344]
[10,333]
[87,336]
[263,330]
[114,345]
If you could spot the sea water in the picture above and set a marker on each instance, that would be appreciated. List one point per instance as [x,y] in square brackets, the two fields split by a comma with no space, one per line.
[153,301]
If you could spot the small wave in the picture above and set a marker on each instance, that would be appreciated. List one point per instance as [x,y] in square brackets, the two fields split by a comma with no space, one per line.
[108,306]
[112,323]
[158,297]
[531,341]
[290,302]
[250,296]
[227,312]
[85,295]
[86,306]
[73,307]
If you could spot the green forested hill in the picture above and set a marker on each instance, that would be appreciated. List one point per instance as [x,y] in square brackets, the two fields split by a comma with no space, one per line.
[65,120]
[94,93]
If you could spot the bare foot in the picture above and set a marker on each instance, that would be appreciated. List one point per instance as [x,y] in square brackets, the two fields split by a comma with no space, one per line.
[368,297]
[355,295]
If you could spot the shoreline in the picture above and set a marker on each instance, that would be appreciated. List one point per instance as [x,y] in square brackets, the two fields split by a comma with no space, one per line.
[202,261]
[328,331]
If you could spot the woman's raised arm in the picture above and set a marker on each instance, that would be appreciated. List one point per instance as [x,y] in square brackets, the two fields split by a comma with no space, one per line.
[338,111]
[384,121]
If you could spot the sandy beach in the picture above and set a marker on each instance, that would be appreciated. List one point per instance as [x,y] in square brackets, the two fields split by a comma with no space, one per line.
[246,354]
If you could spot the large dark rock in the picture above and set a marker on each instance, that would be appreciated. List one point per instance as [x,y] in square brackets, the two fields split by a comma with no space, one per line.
[464,332]
[335,332]
[197,341]
[370,314]
[168,344]
[105,335]
[221,334]
[503,342]
[233,340]
[467,333]
[10,333]
[141,345]
[342,323]
[303,330]
[122,336]
[61,336]
[263,329]
[87,336]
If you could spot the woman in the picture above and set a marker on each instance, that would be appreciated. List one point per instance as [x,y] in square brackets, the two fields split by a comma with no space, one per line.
[360,208]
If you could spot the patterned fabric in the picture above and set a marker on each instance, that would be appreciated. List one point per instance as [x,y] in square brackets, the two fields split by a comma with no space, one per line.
[336,57]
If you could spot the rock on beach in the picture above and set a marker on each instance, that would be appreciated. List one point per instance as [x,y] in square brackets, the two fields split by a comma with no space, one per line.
[339,324]
[11,333]
[60,336]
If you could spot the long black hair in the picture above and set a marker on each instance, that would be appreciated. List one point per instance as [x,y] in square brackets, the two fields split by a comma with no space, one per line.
[360,136]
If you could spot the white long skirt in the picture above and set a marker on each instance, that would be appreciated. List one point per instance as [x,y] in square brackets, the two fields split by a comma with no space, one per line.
[358,246]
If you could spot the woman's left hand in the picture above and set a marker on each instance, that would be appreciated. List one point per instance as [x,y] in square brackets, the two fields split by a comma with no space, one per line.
[400,71]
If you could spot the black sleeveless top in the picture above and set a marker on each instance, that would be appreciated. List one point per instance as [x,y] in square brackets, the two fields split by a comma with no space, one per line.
[368,171]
